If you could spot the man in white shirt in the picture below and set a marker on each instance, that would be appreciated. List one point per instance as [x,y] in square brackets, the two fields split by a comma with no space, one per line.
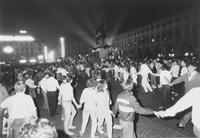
[66,98]
[116,71]
[51,87]
[190,99]
[133,73]
[144,72]
[175,70]
[42,84]
[21,110]
[165,79]
[184,69]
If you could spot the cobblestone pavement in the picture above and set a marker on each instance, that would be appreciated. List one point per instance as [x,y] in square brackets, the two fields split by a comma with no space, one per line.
[150,127]
[146,126]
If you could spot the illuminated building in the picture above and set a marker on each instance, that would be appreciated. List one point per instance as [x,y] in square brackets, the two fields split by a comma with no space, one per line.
[179,33]
[14,48]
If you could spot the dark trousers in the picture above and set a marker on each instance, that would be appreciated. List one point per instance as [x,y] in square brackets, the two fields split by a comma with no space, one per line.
[166,90]
[52,101]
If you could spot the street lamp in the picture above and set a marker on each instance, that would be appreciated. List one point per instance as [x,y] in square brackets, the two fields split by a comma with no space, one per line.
[62,44]
[46,53]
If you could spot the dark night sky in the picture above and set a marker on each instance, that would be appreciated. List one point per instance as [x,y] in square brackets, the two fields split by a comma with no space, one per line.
[49,19]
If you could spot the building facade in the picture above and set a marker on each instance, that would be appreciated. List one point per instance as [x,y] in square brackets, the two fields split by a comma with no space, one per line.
[75,46]
[176,34]
[25,50]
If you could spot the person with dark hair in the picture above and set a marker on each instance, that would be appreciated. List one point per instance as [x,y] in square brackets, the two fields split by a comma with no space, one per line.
[21,110]
[126,105]
[183,68]
[88,98]
[165,80]
[31,86]
[41,128]
[66,98]
[42,85]
[191,80]
[175,68]
[51,88]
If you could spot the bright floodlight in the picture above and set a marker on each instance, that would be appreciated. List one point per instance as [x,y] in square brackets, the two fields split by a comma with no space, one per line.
[8,49]
[62,44]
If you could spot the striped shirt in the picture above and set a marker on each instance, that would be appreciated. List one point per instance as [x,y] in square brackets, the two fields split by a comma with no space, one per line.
[127,105]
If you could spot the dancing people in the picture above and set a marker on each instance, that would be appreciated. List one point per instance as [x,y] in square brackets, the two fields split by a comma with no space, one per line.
[144,72]
[21,110]
[103,107]
[190,99]
[66,98]
[126,105]
[88,98]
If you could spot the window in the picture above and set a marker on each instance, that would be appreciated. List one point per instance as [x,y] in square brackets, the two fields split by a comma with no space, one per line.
[195,29]
[178,33]
[32,51]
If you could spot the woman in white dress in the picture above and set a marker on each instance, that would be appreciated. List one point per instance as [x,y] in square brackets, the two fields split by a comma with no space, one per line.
[88,98]
[103,107]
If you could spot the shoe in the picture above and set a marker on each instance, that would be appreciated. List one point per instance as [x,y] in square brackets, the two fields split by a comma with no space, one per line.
[69,133]
[81,133]
[101,131]
[72,127]
[180,126]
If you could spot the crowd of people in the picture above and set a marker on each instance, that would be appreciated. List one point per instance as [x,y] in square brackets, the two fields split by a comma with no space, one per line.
[58,81]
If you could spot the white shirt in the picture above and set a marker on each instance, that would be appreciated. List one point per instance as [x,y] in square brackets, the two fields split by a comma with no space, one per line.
[103,102]
[190,99]
[19,105]
[66,92]
[51,84]
[133,71]
[165,74]
[183,71]
[125,75]
[116,69]
[144,71]
[62,71]
[42,84]
[30,83]
[175,70]
[89,98]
